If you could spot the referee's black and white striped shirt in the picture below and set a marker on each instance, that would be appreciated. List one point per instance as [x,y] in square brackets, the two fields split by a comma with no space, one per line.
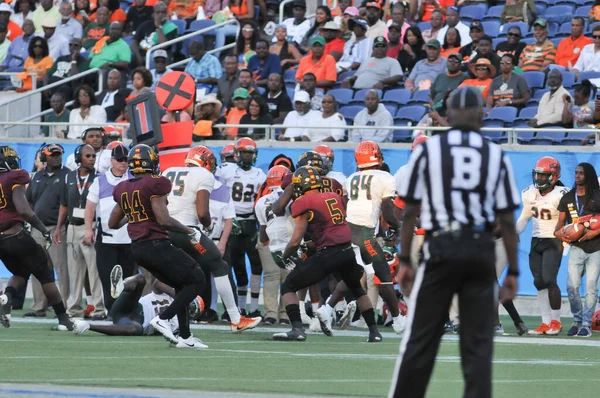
[459,176]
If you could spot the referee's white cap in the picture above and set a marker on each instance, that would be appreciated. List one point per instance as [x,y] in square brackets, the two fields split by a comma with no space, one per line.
[466,98]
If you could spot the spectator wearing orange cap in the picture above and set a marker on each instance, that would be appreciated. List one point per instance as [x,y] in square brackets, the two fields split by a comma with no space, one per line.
[483,70]
[373,16]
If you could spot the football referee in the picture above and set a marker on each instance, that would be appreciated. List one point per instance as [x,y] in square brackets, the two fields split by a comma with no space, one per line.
[460,183]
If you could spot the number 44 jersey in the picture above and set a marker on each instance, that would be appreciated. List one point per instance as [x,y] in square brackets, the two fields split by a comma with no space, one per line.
[543,209]
[244,185]
[366,190]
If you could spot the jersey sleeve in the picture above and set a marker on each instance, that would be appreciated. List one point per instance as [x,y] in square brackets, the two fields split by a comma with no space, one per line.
[389,186]
[300,206]
[229,212]
[94,191]
[260,211]
[205,182]
[21,178]
[159,186]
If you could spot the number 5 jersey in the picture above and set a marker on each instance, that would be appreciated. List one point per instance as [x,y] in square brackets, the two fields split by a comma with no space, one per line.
[543,209]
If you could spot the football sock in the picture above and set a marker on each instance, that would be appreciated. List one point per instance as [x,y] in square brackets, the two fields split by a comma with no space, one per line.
[59,308]
[184,322]
[215,297]
[254,291]
[89,300]
[253,302]
[10,292]
[315,306]
[509,306]
[181,301]
[293,311]
[544,303]
[242,297]
[369,317]
[556,315]
[224,288]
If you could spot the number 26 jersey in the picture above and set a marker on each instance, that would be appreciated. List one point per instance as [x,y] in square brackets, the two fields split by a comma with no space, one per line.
[244,185]
[366,189]
[543,209]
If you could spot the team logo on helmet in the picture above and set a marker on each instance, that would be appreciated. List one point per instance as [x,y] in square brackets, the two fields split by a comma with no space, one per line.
[546,173]
[306,178]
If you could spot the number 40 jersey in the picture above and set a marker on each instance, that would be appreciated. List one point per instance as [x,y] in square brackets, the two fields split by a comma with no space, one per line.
[244,185]
[366,190]
[543,209]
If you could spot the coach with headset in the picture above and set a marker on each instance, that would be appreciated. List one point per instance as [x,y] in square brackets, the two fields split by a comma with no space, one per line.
[81,258]
[43,195]
[94,137]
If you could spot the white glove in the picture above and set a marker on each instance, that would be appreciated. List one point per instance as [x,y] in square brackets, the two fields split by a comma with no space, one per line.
[196,235]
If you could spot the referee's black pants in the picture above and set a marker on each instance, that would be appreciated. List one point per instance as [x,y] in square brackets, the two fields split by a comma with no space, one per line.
[463,265]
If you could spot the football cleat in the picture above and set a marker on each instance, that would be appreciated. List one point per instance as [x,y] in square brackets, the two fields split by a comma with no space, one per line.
[80,327]
[324,315]
[87,313]
[375,337]
[163,327]
[245,323]
[315,325]
[554,328]
[499,329]
[292,335]
[399,324]
[64,326]
[306,320]
[360,323]
[5,308]
[542,329]
[116,281]
[521,329]
[190,342]
[348,315]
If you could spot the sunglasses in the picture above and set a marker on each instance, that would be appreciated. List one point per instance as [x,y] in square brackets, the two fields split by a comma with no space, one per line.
[120,160]
[596,37]
[90,155]
[83,95]
[481,68]
[513,34]
[247,30]
[74,45]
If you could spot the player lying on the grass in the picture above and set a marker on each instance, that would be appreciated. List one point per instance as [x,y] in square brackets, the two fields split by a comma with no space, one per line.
[19,252]
[189,203]
[321,216]
[142,201]
[131,313]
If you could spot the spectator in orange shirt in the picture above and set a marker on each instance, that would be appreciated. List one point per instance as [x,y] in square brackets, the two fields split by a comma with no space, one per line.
[185,9]
[38,62]
[451,43]
[427,8]
[234,114]
[537,56]
[14,30]
[321,65]
[483,69]
[570,48]
[334,45]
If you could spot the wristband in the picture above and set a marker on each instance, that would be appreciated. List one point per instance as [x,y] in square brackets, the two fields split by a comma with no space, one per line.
[511,272]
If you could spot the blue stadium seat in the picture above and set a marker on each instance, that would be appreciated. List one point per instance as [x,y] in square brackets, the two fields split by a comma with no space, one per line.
[588,75]
[574,138]
[540,7]
[534,79]
[491,28]
[558,14]
[345,75]
[420,97]
[568,79]
[349,112]
[583,11]
[125,6]
[201,24]
[497,41]
[424,26]
[525,115]
[505,114]
[343,96]
[289,76]
[412,113]
[392,108]
[359,96]
[564,30]
[399,96]
[472,13]
[402,135]
[494,135]
[569,3]
[528,40]
[180,25]
[546,137]
[128,40]
[493,13]
[261,90]
[524,137]
[556,41]
[537,96]
[506,27]
[290,92]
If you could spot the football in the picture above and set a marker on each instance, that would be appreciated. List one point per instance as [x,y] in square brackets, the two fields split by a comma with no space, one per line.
[573,232]
[595,222]
[596,321]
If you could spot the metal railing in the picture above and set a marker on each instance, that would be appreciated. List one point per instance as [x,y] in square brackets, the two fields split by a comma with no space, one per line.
[187,36]
[214,50]
[7,125]
[51,86]
[33,77]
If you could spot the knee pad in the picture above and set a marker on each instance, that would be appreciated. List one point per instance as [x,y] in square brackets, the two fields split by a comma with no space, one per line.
[256,268]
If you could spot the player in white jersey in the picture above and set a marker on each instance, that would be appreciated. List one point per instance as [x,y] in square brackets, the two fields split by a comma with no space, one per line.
[328,158]
[244,180]
[370,193]
[540,201]
[275,231]
[131,313]
[188,203]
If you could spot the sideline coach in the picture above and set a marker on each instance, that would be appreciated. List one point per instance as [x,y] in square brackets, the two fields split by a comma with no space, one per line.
[461,183]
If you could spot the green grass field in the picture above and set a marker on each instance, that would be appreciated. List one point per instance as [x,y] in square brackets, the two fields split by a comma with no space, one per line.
[342,365]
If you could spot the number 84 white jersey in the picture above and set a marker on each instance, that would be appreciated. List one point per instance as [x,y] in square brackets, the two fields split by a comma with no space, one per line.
[366,189]
[543,209]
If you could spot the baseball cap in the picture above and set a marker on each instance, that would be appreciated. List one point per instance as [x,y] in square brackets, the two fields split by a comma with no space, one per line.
[374,5]
[5,8]
[3,28]
[301,96]
[466,98]
[240,92]
[160,54]
[458,56]
[433,43]
[396,26]
[317,39]
[49,23]
[52,149]
[453,8]
[299,3]
[119,153]
[380,41]
[540,22]
[352,11]
[476,25]
[331,26]
[360,22]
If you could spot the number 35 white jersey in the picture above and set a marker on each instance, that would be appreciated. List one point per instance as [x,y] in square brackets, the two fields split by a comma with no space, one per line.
[186,182]
[543,209]
[244,185]
[366,189]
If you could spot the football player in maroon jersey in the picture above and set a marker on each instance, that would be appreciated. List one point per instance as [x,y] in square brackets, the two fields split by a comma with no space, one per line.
[143,201]
[19,252]
[322,216]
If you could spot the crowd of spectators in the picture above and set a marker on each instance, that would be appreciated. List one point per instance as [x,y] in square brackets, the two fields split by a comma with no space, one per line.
[360,64]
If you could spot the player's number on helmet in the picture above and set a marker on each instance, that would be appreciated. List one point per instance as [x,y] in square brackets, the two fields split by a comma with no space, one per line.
[239,195]
[358,183]
[133,209]
[177,181]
